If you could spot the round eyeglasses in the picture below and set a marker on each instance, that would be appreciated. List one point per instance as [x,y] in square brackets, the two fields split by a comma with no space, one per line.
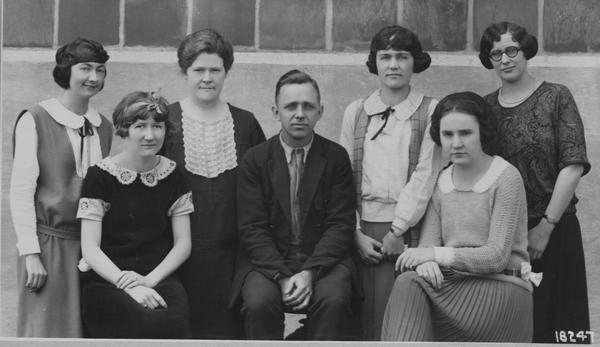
[511,52]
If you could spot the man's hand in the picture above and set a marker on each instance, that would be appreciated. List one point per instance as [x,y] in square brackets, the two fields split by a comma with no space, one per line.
[285,284]
[392,246]
[297,290]
[368,248]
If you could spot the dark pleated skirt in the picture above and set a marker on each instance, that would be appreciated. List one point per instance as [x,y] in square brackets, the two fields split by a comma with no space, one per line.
[561,301]
[467,308]
[109,312]
[377,282]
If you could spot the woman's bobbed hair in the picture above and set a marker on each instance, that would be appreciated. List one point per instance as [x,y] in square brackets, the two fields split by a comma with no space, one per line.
[204,41]
[80,50]
[140,105]
[400,39]
[527,42]
[471,104]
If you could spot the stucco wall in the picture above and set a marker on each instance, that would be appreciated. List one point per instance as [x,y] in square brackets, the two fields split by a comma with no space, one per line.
[568,30]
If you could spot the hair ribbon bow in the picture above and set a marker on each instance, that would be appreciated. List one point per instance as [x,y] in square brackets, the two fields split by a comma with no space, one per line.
[150,106]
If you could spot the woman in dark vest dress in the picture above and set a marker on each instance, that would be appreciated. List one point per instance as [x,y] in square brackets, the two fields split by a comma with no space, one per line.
[55,142]
[210,138]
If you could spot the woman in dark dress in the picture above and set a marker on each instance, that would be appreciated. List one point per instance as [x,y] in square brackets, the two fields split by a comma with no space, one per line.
[541,133]
[135,232]
[210,138]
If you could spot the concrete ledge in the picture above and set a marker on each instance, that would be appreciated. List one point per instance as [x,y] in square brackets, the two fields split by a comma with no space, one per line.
[578,60]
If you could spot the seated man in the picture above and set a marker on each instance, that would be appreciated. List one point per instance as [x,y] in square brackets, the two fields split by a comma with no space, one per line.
[296,221]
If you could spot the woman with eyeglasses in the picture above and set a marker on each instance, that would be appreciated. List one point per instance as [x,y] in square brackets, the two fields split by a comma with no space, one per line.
[541,133]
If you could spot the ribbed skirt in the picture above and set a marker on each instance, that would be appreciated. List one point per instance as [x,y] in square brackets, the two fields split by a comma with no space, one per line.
[466,308]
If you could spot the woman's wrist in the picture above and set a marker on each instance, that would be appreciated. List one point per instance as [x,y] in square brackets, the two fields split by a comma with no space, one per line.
[397,232]
[547,224]
[150,280]
[550,219]
[444,256]
[32,255]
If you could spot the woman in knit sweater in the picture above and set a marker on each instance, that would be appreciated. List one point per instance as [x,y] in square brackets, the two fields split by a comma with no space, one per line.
[468,279]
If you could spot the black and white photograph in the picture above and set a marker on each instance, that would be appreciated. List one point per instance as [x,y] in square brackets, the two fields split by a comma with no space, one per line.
[313,172]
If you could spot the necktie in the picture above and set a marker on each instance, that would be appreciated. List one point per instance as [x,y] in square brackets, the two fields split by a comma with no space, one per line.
[385,114]
[295,178]
[84,156]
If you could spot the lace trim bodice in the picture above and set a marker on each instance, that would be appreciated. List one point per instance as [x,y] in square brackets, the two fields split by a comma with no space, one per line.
[209,146]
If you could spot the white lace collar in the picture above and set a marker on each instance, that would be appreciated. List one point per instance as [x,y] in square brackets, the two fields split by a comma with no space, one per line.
[149,178]
[403,110]
[66,117]
[498,165]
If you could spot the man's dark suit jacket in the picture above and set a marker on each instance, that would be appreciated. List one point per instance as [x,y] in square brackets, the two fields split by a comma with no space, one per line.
[327,208]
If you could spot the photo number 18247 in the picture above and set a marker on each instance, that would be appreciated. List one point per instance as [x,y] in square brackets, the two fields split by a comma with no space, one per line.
[574,336]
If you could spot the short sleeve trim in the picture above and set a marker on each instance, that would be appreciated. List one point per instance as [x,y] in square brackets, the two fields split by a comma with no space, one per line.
[586,165]
[93,209]
[182,206]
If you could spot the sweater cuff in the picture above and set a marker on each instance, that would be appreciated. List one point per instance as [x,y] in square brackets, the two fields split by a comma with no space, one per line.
[28,244]
[399,225]
[444,256]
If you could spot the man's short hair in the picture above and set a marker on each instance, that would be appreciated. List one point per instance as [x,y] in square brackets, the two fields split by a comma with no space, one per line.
[295,77]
